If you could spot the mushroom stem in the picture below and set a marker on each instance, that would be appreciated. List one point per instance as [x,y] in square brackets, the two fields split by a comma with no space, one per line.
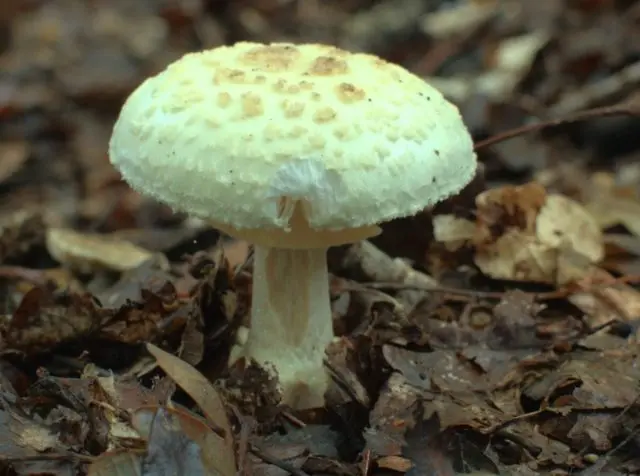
[291,320]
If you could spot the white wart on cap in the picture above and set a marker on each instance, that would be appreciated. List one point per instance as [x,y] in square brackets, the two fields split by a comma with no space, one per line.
[239,134]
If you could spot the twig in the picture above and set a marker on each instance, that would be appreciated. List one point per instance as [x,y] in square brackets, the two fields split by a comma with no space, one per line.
[541,296]
[244,266]
[33,276]
[517,418]
[276,462]
[430,289]
[366,462]
[617,110]
[293,419]
[246,428]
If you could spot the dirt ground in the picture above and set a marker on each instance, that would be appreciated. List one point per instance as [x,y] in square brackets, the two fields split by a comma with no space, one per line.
[497,333]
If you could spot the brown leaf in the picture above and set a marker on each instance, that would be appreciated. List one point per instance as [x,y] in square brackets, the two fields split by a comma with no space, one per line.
[391,417]
[43,321]
[602,380]
[532,442]
[293,454]
[515,325]
[595,432]
[157,309]
[427,450]
[117,463]
[20,230]
[466,409]
[198,388]
[394,463]
[441,369]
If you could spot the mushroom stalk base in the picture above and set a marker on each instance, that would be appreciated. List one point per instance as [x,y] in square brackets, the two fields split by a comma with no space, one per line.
[291,321]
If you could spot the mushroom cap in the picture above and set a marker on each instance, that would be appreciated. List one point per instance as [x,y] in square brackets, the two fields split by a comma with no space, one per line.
[237,133]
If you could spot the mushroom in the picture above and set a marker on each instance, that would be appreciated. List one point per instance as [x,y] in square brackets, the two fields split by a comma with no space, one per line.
[293,148]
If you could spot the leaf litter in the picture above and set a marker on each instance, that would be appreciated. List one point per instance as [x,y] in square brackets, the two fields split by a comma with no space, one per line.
[497,333]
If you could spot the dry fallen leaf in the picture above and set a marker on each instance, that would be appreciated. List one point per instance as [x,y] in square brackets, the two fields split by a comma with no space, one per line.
[117,463]
[394,463]
[88,252]
[454,232]
[207,398]
[13,155]
[171,451]
[611,206]
[523,234]
[602,302]
[19,231]
[43,320]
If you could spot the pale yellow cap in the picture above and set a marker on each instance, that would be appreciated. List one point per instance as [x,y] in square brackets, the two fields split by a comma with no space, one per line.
[237,134]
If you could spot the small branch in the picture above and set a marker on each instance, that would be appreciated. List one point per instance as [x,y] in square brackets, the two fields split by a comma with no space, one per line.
[542,296]
[246,428]
[624,109]
[366,462]
[515,419]
[292,419]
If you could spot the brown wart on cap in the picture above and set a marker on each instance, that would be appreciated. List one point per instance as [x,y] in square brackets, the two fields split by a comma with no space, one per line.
[294,148]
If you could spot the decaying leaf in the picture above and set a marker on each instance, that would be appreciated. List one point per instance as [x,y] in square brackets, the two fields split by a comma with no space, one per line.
[44,320]
[20,230]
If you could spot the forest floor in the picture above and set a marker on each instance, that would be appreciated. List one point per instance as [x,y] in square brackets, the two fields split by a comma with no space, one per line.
[497,333]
